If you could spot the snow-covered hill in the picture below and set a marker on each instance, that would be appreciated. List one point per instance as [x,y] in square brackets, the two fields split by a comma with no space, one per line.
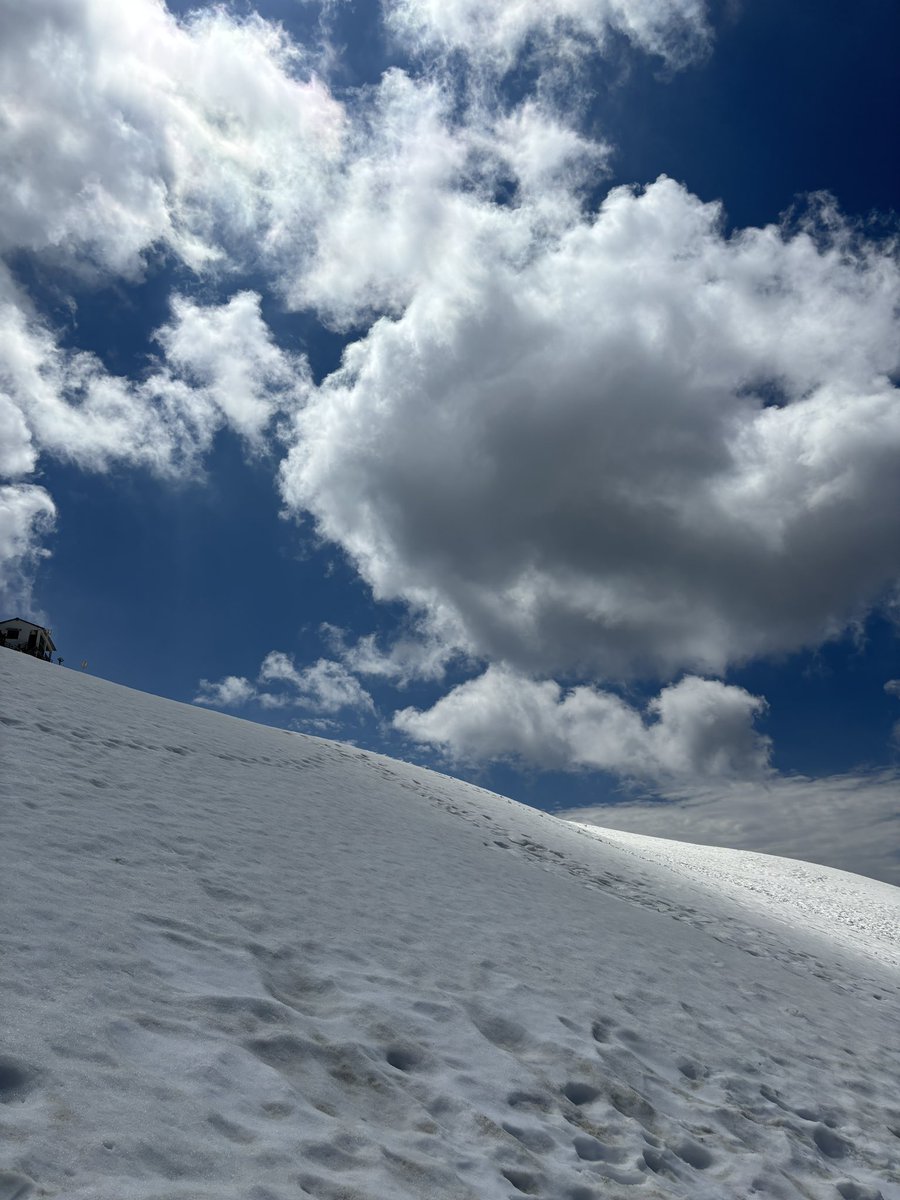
[243,963]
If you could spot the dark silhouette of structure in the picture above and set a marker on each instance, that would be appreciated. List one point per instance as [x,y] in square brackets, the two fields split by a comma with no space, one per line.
[27,638]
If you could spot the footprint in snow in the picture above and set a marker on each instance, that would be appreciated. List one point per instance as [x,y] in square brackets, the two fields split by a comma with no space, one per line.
[601,1030]
[580,1093]
[14,1186]
[522,1181]
[16,1080]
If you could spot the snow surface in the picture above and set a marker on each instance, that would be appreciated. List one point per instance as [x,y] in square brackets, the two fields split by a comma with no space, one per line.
[240,962]
[862,914]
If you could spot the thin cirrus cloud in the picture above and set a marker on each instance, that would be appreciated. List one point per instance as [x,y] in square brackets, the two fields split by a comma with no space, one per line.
[851,822]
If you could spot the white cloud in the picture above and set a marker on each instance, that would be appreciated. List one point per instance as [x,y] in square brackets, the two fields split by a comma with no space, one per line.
[695,728]
[420,653]
[415,199]
[221,367]
[68,405]
[130,133]
[495,31]
[705,727]
[17,453]
[892,687]
[325,686]
[230,358]
[124,129]
[644,447]
[847,821]
[27,515]
[127,131]
[558,446]
[397,209]
[547,158]
[230,692]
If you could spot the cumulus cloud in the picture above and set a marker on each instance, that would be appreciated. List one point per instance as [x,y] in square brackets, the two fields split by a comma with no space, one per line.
[220,367]
[211,138]
[230,692]
[67,404]
[236,371]
[605,444]
[695,728]
[134,134]
[324,687]
[415,198]
[643,448]
[327,686]
[130,132]
[125,129]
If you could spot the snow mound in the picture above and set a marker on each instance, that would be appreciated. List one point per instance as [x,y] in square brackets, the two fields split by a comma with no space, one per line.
[859,913]
[243,963]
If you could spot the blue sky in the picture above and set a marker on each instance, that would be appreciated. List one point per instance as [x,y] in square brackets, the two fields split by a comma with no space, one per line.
[603,498]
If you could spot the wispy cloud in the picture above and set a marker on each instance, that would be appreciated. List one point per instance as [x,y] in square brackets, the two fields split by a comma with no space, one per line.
[27,514]
[325,687]
[496,33]
[230,692]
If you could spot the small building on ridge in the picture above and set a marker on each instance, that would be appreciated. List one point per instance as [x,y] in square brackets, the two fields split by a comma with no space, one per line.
[25,636]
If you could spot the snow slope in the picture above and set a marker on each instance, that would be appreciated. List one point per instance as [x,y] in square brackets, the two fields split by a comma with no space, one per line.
[243,963]
[859,913]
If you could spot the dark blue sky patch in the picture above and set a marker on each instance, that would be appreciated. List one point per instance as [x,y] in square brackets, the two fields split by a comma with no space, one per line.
[160,585]
[794,99]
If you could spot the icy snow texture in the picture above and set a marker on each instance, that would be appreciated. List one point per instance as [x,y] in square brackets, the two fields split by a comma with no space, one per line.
[239,962]
[860,913]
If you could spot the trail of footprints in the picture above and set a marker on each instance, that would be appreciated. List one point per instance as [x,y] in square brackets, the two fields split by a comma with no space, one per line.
[367,1079]
[395,1078]
[332,1033]
[729,930]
